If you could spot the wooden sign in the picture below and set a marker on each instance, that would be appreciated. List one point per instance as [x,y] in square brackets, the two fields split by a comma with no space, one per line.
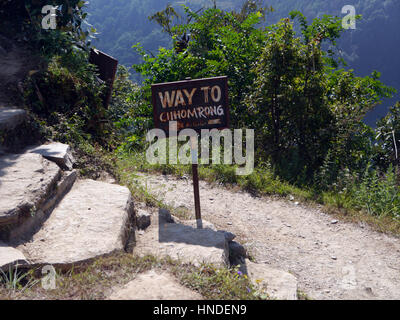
[107,67]
[195,104]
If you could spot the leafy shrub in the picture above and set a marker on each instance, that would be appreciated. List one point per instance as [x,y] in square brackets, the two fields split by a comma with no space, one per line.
[387,135]
[69,100]
[24,19]
[378,195]
[129,111]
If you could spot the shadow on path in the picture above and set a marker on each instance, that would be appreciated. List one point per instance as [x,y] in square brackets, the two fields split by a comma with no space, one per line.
[180,233]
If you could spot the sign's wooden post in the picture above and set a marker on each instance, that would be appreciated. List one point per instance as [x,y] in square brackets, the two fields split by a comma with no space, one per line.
[196,188]
[193,104]
[195,176]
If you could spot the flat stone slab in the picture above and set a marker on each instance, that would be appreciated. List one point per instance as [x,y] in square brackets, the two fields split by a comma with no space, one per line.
[11,118]
[277,284]
[10,256]
[25,182]
[57,152]
[25,229]
[155,286]
[184,242]
[94,219]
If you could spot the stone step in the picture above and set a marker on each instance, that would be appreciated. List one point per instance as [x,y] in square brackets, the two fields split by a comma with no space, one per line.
[94,219]
[278,284]
[154,285]
[10,118]
[31,186]
[57,152]
[183,241]
[10,257]
[26,182]
[24,230]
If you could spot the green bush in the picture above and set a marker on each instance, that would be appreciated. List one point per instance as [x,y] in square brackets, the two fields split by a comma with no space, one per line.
[378,194]
[69,100]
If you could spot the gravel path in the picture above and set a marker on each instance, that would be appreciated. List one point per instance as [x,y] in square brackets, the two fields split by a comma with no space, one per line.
[331,259]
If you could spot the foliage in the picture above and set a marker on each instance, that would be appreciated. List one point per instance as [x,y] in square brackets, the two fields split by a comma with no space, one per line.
[64,92]
[262,181]
[165,18]
[72,33]
[129,111]
[388,135]
[352,145]
[215,284]
[220,44]
[378,195]
[16,280]
[71,102]
[287,104]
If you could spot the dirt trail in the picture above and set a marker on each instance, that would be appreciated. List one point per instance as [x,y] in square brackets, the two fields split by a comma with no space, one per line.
[332,260]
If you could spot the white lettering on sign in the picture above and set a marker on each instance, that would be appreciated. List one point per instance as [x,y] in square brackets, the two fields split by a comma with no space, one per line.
[216,93]
[176,98]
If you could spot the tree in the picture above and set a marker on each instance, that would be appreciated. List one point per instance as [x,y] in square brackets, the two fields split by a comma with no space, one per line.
[288,103]
[388,138]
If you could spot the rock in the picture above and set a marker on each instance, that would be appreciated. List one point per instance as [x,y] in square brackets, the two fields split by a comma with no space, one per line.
[277,284]
[229,236]
[236,249]
[334,221]
[155,286]
[26,180]
[10,256]
[94,219]
[185,243]
[165,215]
[11,118]
[237,253]
[57,152]
[28,227]
[143,219]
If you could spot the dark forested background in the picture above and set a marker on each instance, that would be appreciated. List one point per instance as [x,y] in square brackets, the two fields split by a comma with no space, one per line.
[374,45]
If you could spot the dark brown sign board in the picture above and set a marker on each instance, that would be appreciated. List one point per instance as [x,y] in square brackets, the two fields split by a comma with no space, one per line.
[107,67]
[195,104]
